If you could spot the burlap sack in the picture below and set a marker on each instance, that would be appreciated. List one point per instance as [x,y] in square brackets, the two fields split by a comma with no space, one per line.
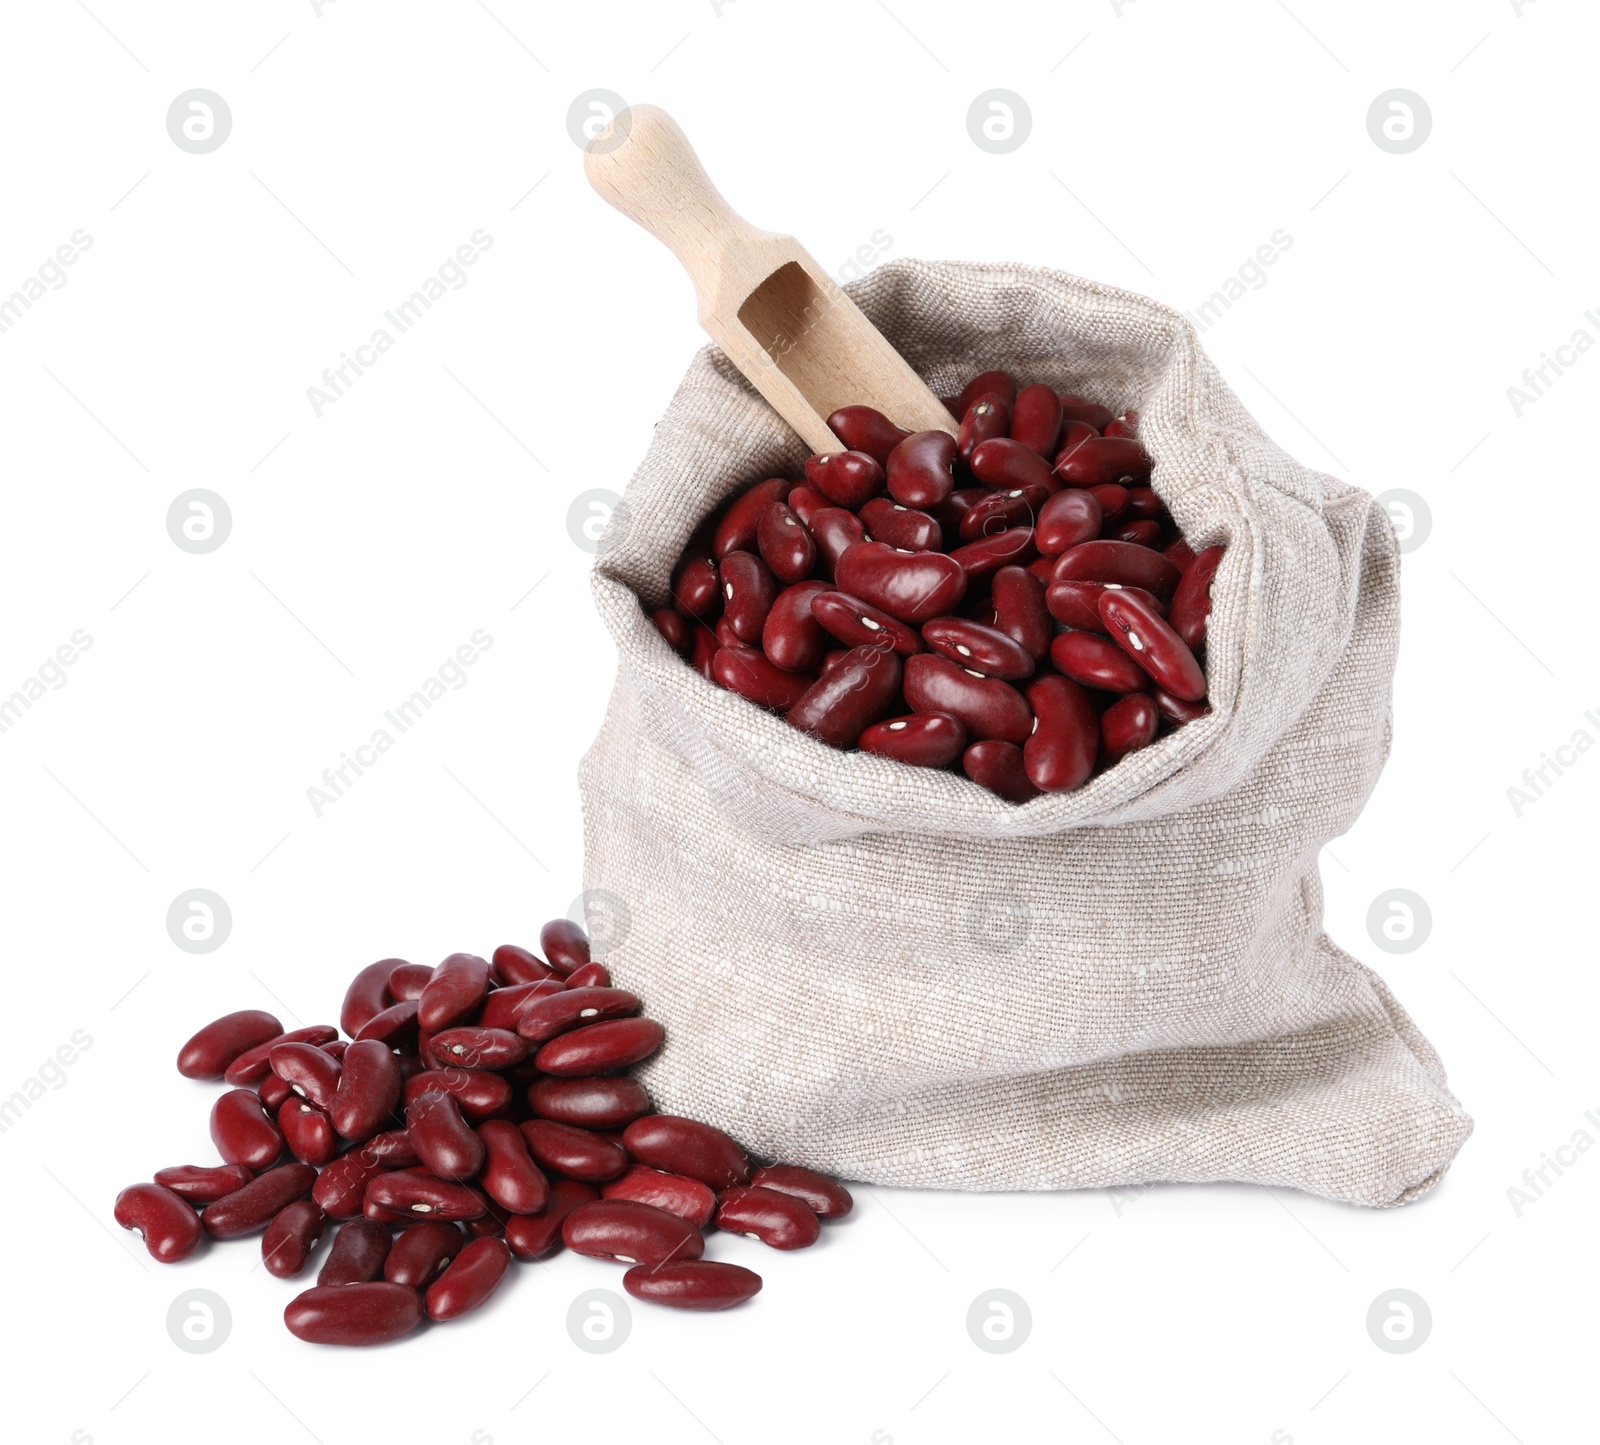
[890,974]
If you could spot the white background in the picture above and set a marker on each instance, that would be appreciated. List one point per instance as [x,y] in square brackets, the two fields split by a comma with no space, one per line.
[367,143]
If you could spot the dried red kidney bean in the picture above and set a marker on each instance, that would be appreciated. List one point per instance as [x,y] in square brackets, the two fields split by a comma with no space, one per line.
[674,627]
[420,1251]
[1001,383]
[988,417]
[1002,462]
[847,479]
[367,995]
[900,526]
[1175,710]
[294,1232]
[694,586]
[1119,562]
[455,992]
[792,639]
[600,1048]
[1114,504]
[912,586]
[408,980]
[473,1046]
[685,1146]
[1141,631]
[416,1192]
[859,624]
[699,1284]
[988,555]
[253,1207]
[1073,435]
[1036,418]
[1018,507]
[978,648]
[848,698]
[924,739]
[253,1065]
[998,766]
[736,532]
[786,546]
[532,1236]
[359,1250]
[1077,408]
[748,590]
[836,531]
[1105,459]
[307,1070]
[952,512]
[1191,603]
[393,1147]
[594,1103]
[565,944]
[630,1233]
[471,1278]
[591,975]
[862,429]
[985,706]
[1144,503]
[242,1131]
[509,1176]
[573,1152]
[1128,724]
[395,1026]
[368,1092]
[827,1198]
[779,1220]
[805,502]
[444,1141]
[308,1133]
[272,1091]
[341,1188]
[1061,753]
[479,1092]
[1122,426]
[1180,555]
[354,1314]
[921,469]
[1142,534]
[1020,611]
[1095,661]
[1066,520]
[746,671]
[573,1008]
[1078,603]
[209,1052]
[201,1184]
[169,1225]
[703,652]
[688,1198]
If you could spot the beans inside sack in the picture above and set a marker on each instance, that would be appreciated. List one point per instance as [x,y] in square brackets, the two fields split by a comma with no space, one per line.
[1013,600]
[477,1113]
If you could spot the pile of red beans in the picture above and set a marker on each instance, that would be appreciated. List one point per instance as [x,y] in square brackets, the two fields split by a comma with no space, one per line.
[1014,599]
[478,1113]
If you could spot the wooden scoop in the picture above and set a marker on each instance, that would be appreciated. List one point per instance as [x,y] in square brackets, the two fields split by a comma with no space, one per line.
[781,319]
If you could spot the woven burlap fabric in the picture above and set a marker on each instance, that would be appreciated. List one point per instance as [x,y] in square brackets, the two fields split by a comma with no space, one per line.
[889,973]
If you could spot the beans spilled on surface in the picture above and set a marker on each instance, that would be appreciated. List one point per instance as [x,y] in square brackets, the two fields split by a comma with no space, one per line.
[479,1112]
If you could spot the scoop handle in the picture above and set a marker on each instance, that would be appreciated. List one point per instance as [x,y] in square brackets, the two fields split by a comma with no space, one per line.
[643,164]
